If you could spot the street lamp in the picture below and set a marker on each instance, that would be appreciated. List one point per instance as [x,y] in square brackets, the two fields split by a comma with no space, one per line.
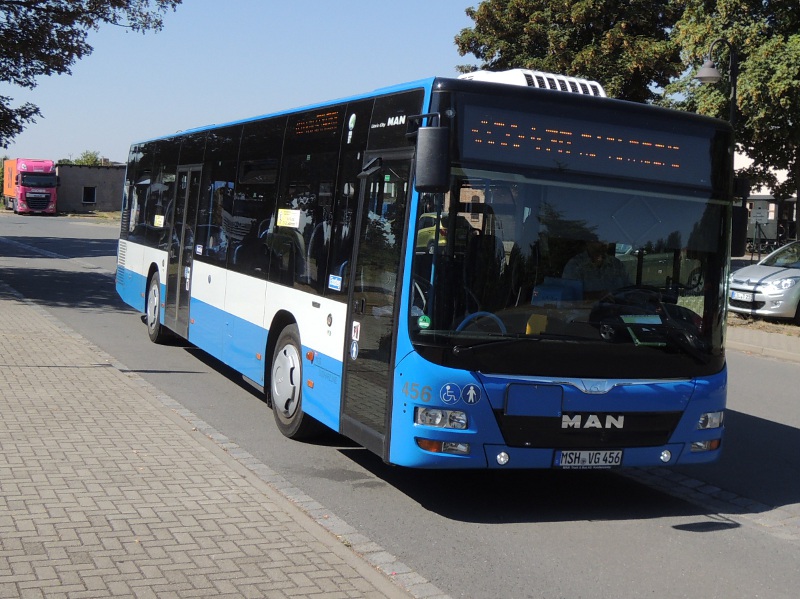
[708,73]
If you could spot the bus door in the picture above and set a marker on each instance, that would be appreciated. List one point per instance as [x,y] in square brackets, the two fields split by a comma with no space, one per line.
[181,250]
[373,292]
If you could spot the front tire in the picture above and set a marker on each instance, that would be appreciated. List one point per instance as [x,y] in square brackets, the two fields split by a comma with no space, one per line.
[155,330]
[286,387]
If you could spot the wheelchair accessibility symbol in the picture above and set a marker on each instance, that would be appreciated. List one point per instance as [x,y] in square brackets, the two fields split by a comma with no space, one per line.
[449,393]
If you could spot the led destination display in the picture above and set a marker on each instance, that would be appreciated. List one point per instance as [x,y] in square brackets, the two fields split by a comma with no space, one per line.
[568,144]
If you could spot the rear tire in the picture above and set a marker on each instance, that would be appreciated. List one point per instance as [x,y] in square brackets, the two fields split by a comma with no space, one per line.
[286,387]
[155,330]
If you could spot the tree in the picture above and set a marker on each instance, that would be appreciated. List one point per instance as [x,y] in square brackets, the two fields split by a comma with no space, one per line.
[766,39]
[625,44]
[2,170]
[46,37]
[86,158]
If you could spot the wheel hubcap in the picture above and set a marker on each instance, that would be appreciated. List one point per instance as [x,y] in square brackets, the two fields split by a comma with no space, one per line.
[152,307]
[285,383]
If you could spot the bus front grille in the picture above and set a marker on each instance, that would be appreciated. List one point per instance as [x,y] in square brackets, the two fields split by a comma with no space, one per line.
[637,429]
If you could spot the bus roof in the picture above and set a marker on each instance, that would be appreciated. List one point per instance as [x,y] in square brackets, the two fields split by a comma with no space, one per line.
[513,81]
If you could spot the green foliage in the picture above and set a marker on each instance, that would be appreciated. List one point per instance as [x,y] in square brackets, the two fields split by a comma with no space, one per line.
[650,50]
[2,170]
[765,36]
[46,37]
[624,44]
[88,158]
[85,158]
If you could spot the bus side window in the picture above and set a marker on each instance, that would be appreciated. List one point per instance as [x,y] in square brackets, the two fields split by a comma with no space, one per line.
[334,280]
[252,212]
[299,252]
[214,227]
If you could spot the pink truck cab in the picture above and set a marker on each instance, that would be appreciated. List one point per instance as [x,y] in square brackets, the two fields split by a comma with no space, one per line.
[30,186]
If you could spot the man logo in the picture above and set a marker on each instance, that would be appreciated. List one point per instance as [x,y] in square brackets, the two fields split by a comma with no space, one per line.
[396,120]
[592,421]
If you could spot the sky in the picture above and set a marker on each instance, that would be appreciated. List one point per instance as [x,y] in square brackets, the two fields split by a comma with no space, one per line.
[213,65]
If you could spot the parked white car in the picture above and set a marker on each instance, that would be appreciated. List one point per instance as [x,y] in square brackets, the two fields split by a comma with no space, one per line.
[770,288]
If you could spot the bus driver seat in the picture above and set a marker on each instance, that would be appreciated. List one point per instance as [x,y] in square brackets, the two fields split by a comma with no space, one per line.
[484,263]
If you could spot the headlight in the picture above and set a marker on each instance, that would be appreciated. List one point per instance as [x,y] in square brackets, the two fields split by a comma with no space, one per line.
[710,420]
[441,418]
[781,284]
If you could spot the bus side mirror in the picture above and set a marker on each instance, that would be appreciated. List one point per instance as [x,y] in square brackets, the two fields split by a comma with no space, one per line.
[432,172]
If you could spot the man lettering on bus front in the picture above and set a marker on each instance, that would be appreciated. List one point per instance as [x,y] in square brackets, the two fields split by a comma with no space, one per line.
[597,269]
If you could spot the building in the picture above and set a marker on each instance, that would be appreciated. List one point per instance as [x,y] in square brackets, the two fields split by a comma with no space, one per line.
[90,188]
[768,219]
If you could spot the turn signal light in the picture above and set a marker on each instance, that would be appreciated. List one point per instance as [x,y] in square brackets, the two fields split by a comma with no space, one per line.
[706,445]
[451,447]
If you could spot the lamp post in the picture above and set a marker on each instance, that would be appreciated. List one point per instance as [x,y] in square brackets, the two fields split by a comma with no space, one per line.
[708,73]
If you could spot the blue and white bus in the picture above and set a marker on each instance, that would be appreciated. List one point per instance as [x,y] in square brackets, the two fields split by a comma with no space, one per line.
[504,270]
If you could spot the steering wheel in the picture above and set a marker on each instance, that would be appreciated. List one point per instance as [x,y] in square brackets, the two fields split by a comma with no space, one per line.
[421,287]
[475,315]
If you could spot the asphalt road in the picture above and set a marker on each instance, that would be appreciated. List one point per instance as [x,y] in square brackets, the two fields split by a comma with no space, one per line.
[475,534]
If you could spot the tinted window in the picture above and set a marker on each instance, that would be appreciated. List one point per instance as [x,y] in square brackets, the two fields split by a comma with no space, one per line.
[252,212]
[354,142]
[192,148]
[215,223]
[300,242]
[138,180]
[390,119]
[156,216]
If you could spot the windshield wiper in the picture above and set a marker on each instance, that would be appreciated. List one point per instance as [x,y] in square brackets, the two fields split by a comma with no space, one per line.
[678,338]
[506,340]
[667,336]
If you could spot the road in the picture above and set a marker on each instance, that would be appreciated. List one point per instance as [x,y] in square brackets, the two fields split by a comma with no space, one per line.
[476,534]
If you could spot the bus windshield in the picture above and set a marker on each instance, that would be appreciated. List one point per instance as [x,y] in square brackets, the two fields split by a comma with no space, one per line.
[560,278]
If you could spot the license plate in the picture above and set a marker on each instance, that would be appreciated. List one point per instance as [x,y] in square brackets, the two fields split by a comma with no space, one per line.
[741,296]
[589,459]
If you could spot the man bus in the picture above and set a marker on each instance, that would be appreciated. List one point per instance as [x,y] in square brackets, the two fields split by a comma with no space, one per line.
[286,247]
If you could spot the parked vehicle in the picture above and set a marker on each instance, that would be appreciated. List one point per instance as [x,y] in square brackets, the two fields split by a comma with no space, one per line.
[426,232]
[30,186]
[770,288]
[670,268]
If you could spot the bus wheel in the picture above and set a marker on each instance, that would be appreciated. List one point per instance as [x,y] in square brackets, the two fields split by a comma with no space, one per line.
[286,386]
[155,330]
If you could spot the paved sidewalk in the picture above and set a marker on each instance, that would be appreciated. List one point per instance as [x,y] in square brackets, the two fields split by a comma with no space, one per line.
[108,489]
[762,343]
